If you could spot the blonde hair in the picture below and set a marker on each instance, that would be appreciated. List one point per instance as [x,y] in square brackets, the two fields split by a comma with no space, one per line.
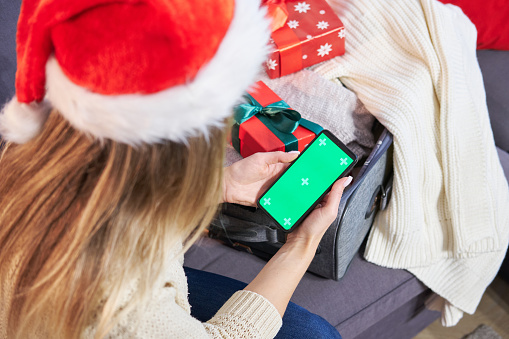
[76,213]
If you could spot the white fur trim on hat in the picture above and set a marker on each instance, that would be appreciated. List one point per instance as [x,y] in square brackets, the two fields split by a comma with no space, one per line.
[181,111]
[21,122]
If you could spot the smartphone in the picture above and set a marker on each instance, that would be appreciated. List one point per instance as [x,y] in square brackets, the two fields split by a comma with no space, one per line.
[307,180]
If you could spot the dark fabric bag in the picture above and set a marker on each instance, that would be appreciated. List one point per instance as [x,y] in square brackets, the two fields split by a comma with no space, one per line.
[249,229]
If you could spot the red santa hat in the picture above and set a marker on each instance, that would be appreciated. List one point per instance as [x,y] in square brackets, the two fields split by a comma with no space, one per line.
[135,71]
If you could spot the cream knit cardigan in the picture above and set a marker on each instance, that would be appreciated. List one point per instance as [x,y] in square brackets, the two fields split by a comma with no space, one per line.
[413,64]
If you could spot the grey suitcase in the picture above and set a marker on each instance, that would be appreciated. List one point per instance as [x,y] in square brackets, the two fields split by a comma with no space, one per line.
[249,229]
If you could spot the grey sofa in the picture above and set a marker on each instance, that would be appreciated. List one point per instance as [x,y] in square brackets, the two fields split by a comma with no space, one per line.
[370,301]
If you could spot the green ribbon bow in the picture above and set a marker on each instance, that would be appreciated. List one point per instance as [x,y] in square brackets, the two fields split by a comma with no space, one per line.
[279,118]
[279,114]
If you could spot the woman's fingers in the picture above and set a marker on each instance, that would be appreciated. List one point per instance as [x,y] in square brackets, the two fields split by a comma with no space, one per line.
[271,158]
[331,204]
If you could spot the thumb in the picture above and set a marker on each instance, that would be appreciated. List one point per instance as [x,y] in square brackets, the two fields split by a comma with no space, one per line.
[332,203]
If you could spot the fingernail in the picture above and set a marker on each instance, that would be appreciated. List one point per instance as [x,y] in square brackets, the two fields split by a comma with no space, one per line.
[347,181]
[294,152]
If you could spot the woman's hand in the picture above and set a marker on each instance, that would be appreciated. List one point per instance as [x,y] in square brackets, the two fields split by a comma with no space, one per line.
[279,278]
[247,179]
[310,232]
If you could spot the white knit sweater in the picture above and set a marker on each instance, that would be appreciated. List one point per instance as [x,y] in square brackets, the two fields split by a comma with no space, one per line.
[413,64]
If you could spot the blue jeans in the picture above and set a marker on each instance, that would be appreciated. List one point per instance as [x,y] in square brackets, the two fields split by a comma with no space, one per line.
[209,291]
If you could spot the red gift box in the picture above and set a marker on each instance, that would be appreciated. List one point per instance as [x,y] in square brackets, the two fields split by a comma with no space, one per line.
[313,33]
[257,135]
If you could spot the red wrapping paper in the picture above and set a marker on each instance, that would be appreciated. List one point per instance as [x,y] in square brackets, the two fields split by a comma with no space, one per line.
[313,33]
[255,137]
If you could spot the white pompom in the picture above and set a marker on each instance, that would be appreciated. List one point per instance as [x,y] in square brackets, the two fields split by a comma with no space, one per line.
[21,122]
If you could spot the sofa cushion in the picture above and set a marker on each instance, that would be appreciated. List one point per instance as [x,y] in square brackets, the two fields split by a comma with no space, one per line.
[491,20]
[504,160]
[363,297]
[495,71]
[9,11]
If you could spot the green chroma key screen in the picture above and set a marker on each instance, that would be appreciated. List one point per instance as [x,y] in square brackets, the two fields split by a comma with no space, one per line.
[317,168]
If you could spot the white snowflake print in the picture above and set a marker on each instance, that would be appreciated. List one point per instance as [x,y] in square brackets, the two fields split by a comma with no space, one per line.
[271,64]
[341,33]
[302,7]
[293,24]
[322,25]
[324,49]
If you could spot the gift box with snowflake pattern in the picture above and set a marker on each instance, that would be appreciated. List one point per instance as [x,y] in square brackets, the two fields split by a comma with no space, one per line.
[311,34]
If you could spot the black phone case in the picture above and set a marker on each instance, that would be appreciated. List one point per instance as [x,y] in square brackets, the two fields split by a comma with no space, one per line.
[348,169]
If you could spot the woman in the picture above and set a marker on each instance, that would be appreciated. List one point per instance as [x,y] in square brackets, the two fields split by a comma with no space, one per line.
[114,169]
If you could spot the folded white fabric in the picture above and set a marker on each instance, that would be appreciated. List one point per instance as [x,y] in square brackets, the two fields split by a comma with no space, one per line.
[413,64]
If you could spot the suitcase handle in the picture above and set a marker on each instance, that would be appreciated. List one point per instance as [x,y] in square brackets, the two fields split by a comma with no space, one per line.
[236,230]
[380,198]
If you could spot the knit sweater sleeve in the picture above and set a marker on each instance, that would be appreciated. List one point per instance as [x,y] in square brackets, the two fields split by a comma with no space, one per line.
[245,315]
